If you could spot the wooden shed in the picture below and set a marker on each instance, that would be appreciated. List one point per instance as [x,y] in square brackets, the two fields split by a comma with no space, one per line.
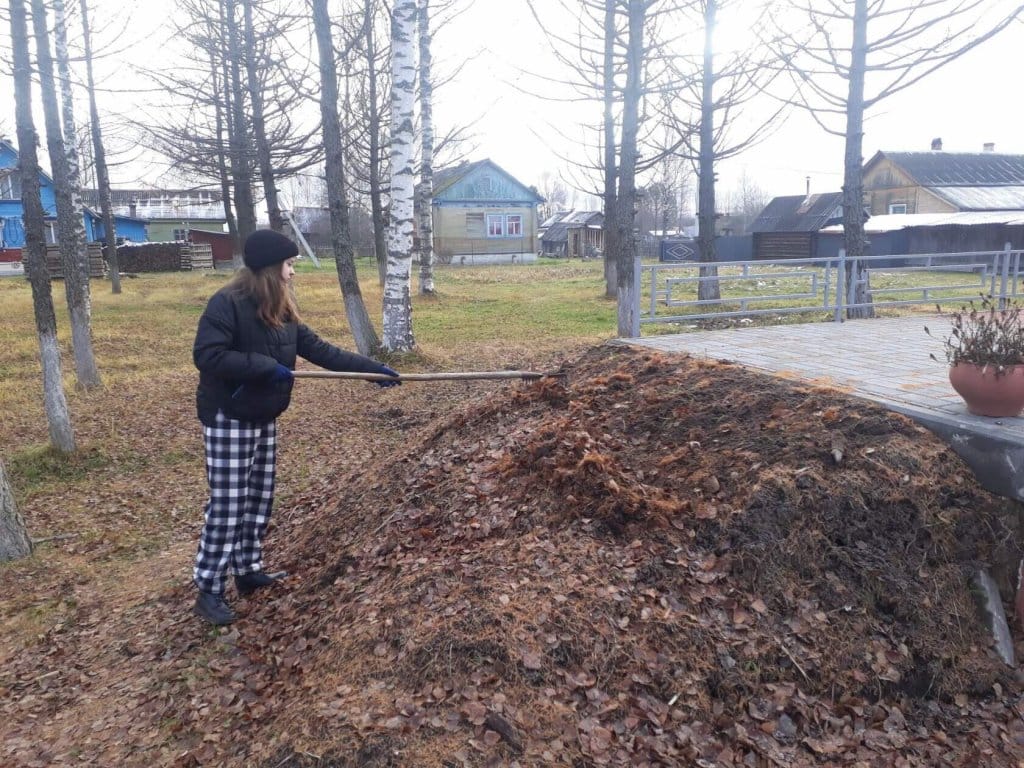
[573,235]
[220,243]
[788,227]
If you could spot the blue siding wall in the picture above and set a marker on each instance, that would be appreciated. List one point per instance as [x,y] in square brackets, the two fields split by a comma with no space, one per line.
[129,229]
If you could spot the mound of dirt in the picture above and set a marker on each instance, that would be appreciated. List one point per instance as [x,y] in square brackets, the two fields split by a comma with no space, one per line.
[657,562]
[663,561]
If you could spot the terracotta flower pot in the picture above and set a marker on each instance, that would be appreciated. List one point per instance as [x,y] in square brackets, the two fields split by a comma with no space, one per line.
[987,394]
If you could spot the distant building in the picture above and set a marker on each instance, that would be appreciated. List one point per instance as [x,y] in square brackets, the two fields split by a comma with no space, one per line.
[943,182]
[788,227]
[12,211]
[483,214]
[573,235]
[169,212]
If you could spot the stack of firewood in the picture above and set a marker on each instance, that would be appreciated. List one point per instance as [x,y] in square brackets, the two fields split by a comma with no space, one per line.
[97,266]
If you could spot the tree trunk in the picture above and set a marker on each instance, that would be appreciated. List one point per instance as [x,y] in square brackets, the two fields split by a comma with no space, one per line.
[626,213]
[398,336]
[426,186]
[100,158]
[341,238]
[70,229]
[61,434]
[853,176]
[707,290]
[223,122]
[241,168]
[611,242]
[259,127]
[380,230]
[14,540]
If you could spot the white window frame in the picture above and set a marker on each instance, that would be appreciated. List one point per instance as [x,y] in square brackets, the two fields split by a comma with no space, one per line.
[894,206]
[495,219]
[514,221]
[180,234]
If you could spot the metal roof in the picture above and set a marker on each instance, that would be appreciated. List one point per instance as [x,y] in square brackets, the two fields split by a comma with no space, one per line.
[895,221]
[573,217]
[797,213]
[999,198]
[957,169]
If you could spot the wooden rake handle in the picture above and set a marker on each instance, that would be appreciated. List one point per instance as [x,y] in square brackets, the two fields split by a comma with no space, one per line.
[460,376]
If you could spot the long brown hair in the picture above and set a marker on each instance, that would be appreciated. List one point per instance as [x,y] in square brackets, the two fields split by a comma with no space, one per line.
[275,302]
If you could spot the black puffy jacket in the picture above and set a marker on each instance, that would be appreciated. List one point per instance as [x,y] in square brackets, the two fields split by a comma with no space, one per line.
[236,353]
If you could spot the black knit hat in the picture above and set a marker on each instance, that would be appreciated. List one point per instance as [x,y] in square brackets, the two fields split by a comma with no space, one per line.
[265,247]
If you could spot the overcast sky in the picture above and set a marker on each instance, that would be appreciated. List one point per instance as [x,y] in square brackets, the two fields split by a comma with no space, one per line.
[970,102]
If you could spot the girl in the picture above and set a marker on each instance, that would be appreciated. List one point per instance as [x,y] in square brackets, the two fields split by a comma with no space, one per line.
[245,350]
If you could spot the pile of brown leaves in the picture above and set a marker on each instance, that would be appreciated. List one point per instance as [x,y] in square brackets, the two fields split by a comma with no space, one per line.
[662,562]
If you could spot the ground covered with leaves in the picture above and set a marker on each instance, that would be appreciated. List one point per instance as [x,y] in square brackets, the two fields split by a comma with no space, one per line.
[651,561]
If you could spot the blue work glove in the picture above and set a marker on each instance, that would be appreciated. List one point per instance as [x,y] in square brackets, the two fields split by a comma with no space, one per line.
[281,373]
[387,372]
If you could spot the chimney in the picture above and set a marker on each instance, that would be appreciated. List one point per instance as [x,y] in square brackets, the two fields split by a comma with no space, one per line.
[808,179]
[989,146]
[937,144]
[133,208]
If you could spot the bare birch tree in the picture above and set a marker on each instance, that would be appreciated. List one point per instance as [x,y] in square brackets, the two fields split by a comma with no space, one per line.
[14,540]
[398,334]
[70,233]
[425,189]
[341,238]
[61,433]
[893,45]
[100,155]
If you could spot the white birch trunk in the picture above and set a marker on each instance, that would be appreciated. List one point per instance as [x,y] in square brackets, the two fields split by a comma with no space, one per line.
[68,191]
[14,540]
[398,336]
[81,318]
[426,186]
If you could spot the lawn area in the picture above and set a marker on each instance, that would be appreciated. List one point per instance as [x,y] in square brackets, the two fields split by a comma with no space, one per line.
[481,316]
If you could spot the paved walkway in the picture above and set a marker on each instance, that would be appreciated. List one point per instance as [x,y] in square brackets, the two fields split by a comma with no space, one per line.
[884,359]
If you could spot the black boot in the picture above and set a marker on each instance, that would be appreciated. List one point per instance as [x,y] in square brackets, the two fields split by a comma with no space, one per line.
[213,609]
[250,582]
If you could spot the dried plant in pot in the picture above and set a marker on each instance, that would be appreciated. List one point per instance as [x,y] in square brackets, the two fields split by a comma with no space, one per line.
[985,352]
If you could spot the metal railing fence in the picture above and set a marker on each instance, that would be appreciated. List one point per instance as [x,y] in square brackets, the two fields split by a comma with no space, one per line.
[668,293]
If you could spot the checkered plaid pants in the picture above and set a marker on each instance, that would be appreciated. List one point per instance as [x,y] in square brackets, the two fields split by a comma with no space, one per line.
[240,469]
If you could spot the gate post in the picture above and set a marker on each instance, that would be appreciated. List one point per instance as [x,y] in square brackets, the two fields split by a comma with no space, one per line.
[1004,275]
[840,286]
[638,272]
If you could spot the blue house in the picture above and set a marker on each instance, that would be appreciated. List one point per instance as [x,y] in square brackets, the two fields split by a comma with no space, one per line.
[12,227]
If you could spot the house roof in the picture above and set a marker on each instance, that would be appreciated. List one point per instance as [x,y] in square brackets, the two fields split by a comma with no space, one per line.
[556,228]
[957,169]
[998,198]
[574,217]
[895,221]
[799,213]
[448,177]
